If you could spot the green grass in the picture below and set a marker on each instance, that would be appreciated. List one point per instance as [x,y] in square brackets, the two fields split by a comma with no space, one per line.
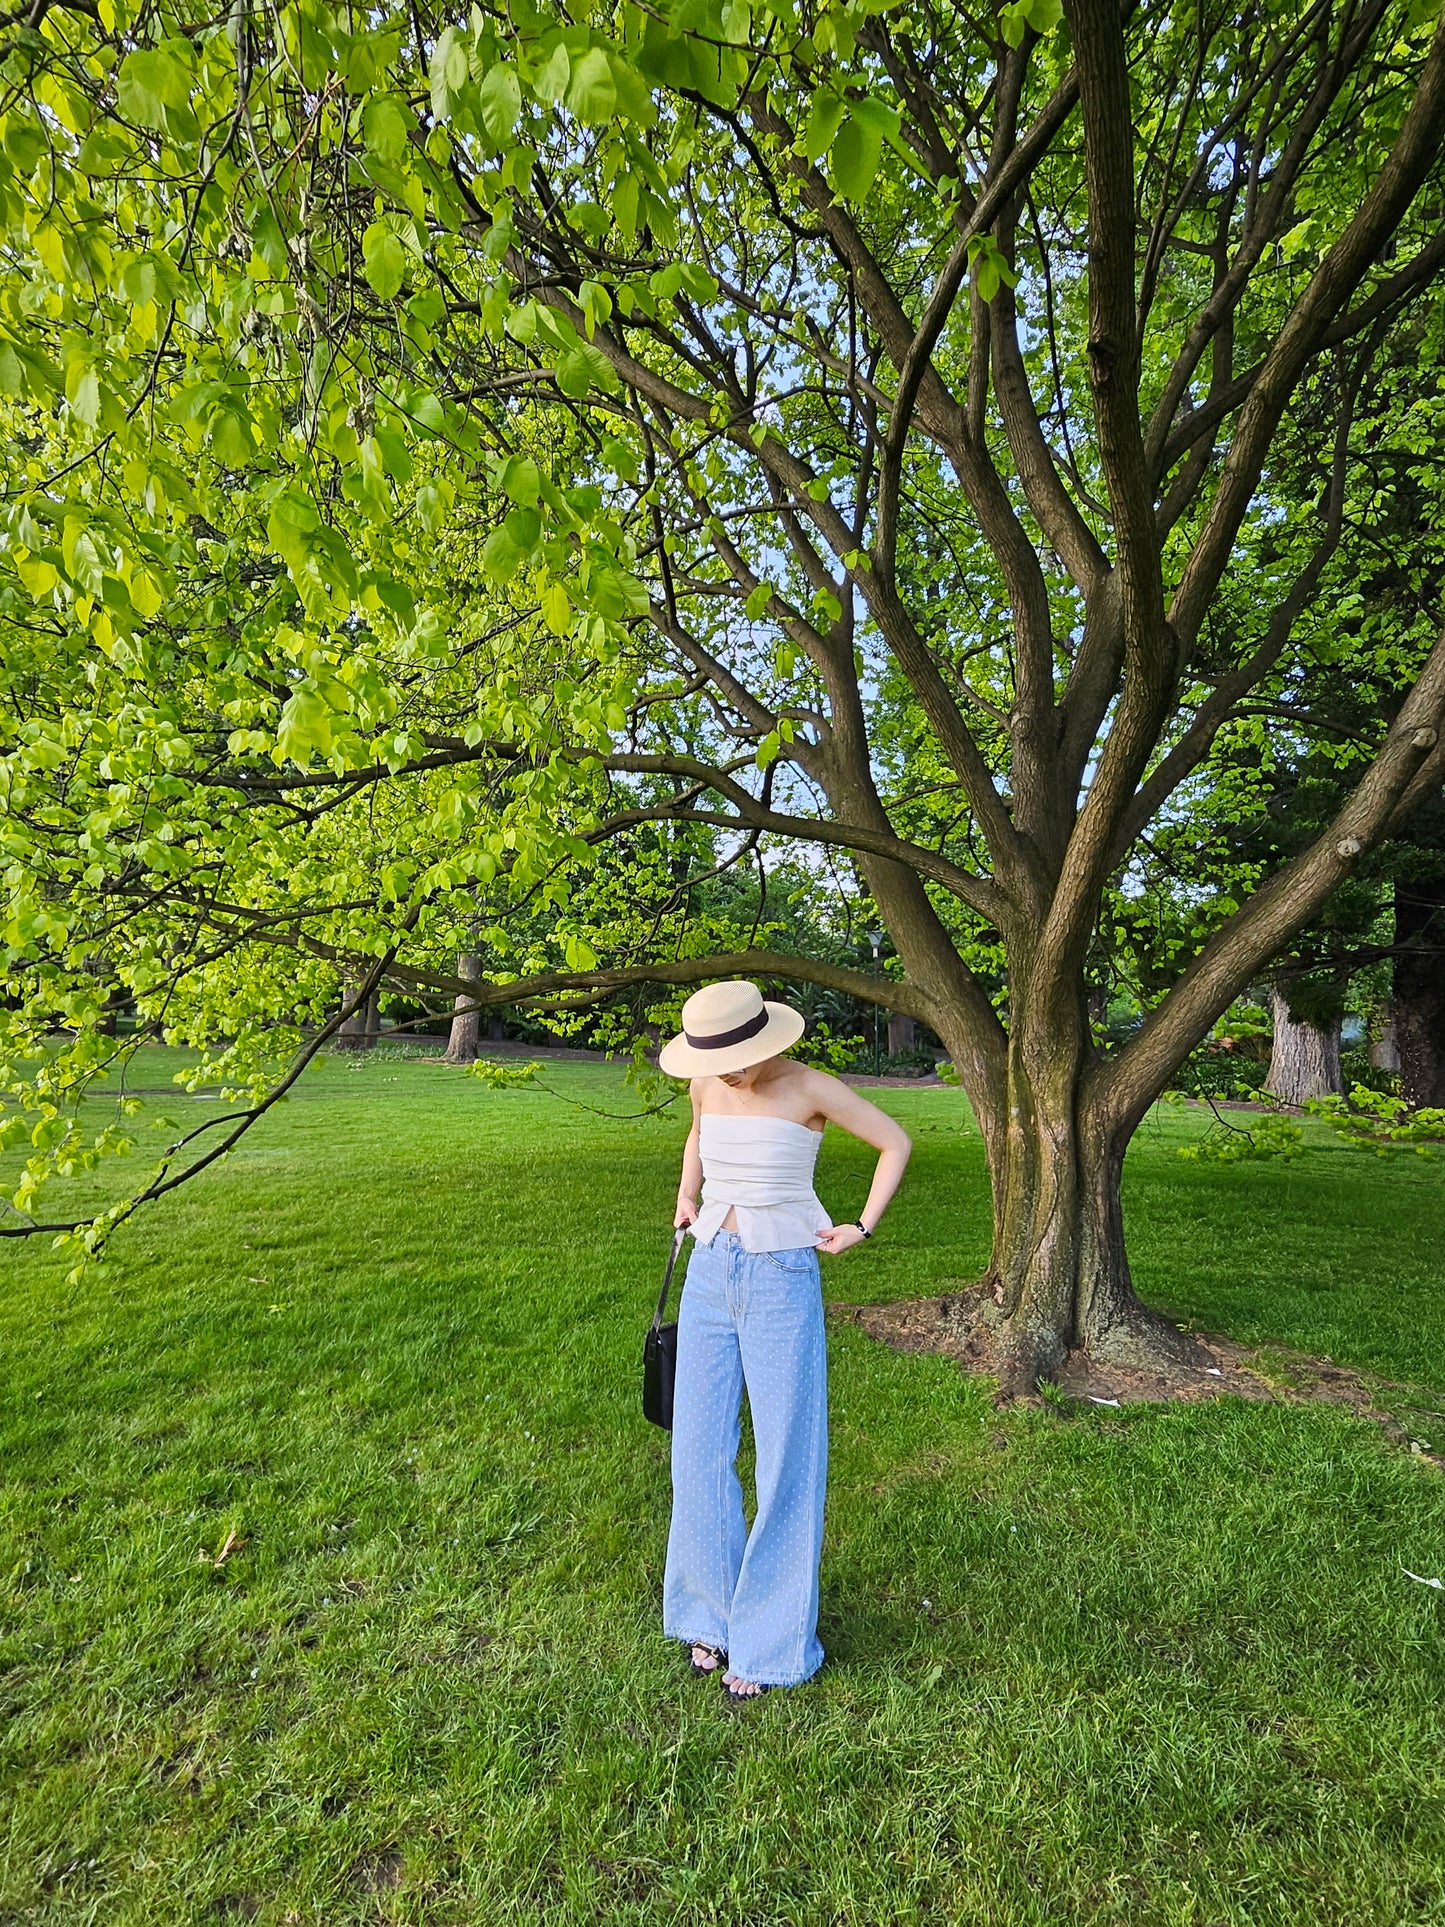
[1131,1666]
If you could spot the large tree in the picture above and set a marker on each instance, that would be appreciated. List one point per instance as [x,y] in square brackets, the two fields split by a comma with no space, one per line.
[860,415]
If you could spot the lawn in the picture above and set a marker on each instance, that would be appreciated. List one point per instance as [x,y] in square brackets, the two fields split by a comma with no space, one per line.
[1149,1665]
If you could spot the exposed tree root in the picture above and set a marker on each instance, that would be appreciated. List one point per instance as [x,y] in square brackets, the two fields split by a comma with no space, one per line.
[1146,1365]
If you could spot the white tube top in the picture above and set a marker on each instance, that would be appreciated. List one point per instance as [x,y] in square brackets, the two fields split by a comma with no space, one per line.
[762,1168]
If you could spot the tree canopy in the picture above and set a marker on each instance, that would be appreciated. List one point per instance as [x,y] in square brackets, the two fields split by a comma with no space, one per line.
[442,448]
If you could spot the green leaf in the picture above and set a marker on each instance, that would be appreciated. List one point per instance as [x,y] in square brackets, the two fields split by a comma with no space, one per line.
[574,377]
[296,512]
[991,266]
[521,480]
[385,126]
[583,368]
[268,246]
[449,71]
[499,101]
[596,305]
[385,259]
[556,609]
[525,528]
[153,79]
[591,90]
[624,204]
[146,594]
[825,117]
[82,385]
[699,283]
[306,725]
[859,145]
[550,80]
[1042,15]
[37,575]
[757,602]
[621,459]
[150,277]
[501,558]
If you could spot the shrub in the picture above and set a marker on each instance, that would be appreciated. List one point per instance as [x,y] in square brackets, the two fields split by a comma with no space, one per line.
[1268,1136]
[1358,1069]
[1211,1072]
[916,1061]
[1379,1122]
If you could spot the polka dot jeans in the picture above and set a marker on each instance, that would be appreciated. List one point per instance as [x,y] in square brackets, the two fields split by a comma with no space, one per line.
[754,1317]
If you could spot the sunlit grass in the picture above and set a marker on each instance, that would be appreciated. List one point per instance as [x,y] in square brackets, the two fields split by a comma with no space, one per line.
[1139,1666]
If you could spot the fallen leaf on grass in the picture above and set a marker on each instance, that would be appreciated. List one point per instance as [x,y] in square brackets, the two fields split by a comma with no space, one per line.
[1421,1580]
[233,1543]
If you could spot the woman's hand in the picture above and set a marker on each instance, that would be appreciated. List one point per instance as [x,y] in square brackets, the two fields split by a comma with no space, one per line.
[842,1237]
[685,1214]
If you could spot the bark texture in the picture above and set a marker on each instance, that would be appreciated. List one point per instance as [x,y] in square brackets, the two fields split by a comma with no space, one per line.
[901,1033]
[462,1045]
[359,1030]
[1385,1049]
[1305,1061]
[1061,1281]
[1420,990]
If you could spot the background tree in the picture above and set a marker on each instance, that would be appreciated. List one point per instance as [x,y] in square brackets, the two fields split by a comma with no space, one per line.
[858,416]
[1281,770]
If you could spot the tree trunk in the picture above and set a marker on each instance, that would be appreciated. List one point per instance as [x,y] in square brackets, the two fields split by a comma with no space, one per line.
[1385,1049]
[1420,990]
[901,1033]
[1305,1061]
[1060,1272]
[466,1024]
[358,1032]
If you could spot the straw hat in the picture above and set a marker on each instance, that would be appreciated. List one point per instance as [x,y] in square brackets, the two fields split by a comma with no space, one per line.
[725,1028]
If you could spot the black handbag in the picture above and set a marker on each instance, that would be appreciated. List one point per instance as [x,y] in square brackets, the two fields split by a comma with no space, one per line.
[659,1351]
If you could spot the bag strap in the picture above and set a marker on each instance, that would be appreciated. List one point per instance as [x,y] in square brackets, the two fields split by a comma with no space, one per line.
[672,1257]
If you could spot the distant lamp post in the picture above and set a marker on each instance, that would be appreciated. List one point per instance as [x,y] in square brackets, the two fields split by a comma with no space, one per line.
[875,937]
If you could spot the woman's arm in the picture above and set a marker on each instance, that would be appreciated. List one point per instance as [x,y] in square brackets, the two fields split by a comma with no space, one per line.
[691,1181]
[860,1119]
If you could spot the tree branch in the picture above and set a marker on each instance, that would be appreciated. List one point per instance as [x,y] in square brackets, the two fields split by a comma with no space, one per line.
[1416,148]
[1126,1085]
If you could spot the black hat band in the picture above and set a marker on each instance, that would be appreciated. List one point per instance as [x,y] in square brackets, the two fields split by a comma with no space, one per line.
[725,1037]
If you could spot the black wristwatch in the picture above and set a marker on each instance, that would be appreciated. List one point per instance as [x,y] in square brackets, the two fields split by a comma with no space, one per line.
[863,1227]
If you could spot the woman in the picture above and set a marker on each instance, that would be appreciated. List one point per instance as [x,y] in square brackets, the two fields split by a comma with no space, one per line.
[752,1312]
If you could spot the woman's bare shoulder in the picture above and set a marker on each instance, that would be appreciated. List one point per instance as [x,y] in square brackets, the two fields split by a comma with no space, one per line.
[816,1082]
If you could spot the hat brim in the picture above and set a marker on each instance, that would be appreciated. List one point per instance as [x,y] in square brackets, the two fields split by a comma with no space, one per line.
[784,1027]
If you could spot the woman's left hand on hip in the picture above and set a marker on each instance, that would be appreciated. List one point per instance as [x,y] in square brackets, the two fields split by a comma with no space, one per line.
[841,1238]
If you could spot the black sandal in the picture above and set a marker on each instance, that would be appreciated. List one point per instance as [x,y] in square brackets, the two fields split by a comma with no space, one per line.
[719,1656]
[735,1698]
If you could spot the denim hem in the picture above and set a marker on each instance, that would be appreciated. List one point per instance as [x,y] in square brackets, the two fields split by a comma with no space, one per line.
[799,1679]
[695,1639]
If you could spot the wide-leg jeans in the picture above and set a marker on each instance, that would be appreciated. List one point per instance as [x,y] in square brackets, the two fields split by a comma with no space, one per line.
[754,1317]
